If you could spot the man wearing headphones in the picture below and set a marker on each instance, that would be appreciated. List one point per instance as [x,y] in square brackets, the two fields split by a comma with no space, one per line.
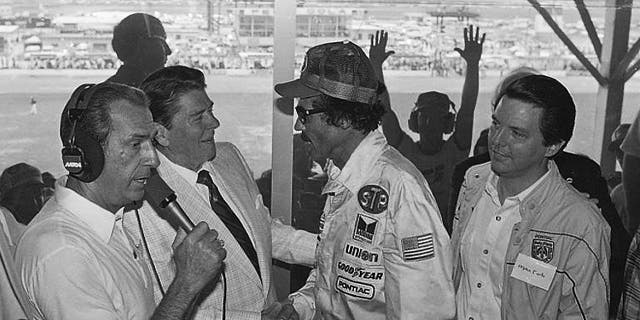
[434,117]
[139,40]
[75,259]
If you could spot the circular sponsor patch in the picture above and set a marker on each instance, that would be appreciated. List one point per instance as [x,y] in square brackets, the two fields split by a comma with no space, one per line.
[373,199]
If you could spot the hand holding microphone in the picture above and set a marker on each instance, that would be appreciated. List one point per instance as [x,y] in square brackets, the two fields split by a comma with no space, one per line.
[199,255]
[199,258]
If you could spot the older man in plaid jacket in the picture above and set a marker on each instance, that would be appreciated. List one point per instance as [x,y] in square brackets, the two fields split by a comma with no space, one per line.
[213,183]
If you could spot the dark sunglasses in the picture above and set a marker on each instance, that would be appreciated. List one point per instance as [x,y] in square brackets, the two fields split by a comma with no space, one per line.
[304,113]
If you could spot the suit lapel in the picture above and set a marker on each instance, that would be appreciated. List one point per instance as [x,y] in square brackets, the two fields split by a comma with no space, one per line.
[198,209]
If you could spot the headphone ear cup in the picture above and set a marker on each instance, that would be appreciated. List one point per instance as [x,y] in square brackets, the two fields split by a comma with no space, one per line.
[413,122]
[449,122]
[92,156]
[73,160]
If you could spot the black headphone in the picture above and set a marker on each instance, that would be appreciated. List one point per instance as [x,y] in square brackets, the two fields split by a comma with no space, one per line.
[449,119]
[82,155]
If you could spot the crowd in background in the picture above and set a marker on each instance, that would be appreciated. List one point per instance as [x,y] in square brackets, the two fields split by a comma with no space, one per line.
[442,158]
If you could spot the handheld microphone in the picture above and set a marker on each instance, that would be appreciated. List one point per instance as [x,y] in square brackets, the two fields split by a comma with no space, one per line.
[161,195]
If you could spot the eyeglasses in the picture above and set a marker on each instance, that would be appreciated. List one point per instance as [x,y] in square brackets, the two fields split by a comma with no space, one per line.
[304,113]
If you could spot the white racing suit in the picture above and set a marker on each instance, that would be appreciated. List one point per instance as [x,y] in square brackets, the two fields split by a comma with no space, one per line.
[383,252]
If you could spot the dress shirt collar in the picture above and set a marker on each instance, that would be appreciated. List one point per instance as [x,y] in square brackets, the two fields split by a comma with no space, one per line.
[187,174]
[358,167]
[97,218]
[491,187]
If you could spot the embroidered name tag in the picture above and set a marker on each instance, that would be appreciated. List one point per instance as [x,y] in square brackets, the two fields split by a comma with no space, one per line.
[533,272]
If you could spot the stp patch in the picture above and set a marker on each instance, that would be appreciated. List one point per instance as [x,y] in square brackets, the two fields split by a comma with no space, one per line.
[373,199]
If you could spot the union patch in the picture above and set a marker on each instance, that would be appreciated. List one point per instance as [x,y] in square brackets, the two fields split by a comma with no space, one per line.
[542,249]
[362,254]
[373,199]
[365,228]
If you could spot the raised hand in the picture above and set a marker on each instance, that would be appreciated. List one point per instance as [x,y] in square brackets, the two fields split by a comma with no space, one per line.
[472,45]
[378,50]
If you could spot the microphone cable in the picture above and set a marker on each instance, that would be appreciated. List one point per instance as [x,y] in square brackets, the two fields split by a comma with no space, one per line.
[146,248]
[224,295]
[157,276]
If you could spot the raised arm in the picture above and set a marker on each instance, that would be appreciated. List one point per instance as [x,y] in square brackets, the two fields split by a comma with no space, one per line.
[471,55]
[378,54]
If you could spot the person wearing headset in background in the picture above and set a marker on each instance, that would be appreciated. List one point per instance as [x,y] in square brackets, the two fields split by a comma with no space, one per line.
[213,183]
[433,117]
[75,259]
[139,40]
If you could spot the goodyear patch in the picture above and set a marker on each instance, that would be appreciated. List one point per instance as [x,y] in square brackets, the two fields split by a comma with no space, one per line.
[357,272]
[418,248]
[355,288]
[365,228]
[373,199]
[542,249]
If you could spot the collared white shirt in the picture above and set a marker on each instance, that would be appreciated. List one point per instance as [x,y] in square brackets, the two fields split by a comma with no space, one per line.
[483,250]
[5,227]
[10,291]
[11,227]
[76,262]
[192,177]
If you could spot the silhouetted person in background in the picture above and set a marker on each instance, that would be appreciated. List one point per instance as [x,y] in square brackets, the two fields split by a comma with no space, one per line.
[617,193]
[482,144]
[23,193]
[139,40]
[434,117]
[34,106]
[49,179]
[630,303]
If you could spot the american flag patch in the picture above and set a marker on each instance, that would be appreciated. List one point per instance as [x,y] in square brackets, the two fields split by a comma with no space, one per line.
[418,248]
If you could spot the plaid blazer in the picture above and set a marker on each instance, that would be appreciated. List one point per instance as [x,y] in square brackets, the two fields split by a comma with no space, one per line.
[247,294]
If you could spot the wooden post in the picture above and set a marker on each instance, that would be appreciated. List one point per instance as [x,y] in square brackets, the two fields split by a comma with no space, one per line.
[610,95]
[284,38]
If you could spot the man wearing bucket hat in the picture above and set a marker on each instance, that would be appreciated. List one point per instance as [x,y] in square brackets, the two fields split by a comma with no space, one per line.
[383,252]
[139,40]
